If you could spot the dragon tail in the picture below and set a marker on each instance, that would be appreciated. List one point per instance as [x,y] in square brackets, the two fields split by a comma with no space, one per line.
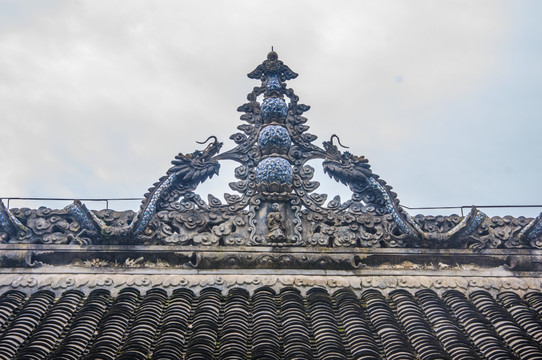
[9,223]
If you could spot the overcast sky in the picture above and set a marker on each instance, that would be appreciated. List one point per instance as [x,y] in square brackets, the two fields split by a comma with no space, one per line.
[443,97]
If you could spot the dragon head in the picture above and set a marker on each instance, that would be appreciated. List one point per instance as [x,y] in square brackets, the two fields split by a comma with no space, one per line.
[196,167]
[343,166]
[187,172]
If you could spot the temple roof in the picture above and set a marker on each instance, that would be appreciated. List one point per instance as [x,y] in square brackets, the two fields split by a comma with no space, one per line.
[277,271]
[270,325]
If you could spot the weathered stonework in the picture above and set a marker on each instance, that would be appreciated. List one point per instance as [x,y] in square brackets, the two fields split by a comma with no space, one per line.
[31,283]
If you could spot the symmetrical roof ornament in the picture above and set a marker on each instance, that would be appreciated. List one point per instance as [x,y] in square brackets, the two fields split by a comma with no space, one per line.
[277,271]
[276,202]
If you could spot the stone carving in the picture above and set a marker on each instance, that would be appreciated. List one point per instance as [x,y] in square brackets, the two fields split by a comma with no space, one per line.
[115,282]
[409,265]
[204,254]
[275,226]
[332,229]
[276,202]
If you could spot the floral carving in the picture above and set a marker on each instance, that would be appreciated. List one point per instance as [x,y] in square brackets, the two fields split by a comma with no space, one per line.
[179,227]
[344,236]
[223,229]
[206,239]
[319,239]
[30,283]
[192,219]
[177,239]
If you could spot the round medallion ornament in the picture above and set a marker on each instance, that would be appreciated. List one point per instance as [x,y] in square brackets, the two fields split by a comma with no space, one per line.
[274,139]
[273,107]
[273,83]
[274,170]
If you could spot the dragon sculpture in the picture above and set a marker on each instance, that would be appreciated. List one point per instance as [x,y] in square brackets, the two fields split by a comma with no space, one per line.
[187,172]
[355,172]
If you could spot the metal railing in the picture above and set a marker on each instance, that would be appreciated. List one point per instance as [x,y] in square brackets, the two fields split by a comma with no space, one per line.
[470,206]
[107,200]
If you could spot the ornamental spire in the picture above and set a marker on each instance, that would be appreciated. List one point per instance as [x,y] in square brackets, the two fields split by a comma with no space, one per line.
[273,67]
[280,139]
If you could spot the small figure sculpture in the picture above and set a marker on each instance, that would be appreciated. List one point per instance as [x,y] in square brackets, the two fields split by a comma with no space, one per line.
[275,225]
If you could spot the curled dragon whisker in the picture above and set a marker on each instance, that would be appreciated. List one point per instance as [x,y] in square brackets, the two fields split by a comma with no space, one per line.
[338,140]
[209,138]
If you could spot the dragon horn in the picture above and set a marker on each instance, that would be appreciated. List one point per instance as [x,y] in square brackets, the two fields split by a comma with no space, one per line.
[210,137]
[338,140]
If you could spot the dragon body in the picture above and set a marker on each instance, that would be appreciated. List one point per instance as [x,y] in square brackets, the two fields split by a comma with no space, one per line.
[356,172]
[187,172]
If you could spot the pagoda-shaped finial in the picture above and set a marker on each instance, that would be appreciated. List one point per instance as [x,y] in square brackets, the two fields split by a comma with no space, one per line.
[273,66]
